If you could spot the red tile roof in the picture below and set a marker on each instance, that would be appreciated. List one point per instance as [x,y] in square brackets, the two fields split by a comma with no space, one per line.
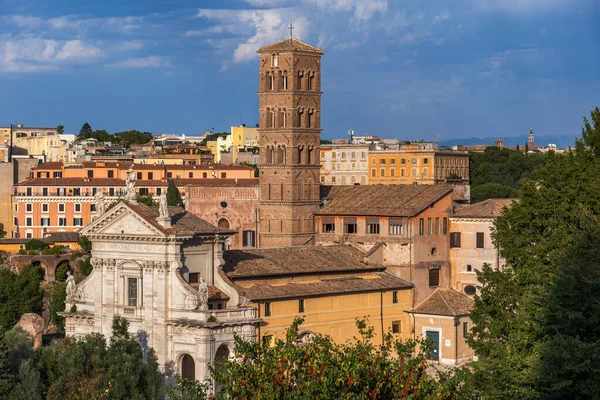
[380,200]
[445,302]
[372,282]
[289,44]
[490,208]
[285,261]
[179,182]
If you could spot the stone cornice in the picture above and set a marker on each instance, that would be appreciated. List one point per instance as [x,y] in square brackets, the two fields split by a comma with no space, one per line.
[291,166]
[135,238]
[55,199]
[289,203]
[300,92]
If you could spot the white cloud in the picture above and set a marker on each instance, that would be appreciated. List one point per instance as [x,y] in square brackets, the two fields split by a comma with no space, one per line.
[522,5]
[205,32]
[442,17]
[77,49]
[143,62]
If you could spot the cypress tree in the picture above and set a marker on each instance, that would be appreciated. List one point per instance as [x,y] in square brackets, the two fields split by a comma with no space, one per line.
[173,195]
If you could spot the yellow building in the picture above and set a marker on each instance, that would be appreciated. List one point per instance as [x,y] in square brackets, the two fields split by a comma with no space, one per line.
[330,286]
[422,166]
[243,136]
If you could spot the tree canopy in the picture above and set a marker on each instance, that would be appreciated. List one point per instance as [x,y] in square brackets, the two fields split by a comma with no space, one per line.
[173,195]
[124,138]
[19,294]
[513,330]
[85,129]
[2,231]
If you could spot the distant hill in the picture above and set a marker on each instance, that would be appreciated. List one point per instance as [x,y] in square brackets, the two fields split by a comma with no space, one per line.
[558,140]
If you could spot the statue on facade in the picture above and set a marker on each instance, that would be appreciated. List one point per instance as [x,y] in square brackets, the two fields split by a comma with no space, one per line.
[163,208]
[71,288]
[99,203]
[203,294]
[130,184]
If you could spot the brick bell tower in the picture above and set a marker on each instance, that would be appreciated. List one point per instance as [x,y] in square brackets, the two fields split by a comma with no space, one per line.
[289,140]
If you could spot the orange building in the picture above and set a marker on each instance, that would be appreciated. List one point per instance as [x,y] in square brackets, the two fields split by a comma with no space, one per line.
[427,166]
[60,198]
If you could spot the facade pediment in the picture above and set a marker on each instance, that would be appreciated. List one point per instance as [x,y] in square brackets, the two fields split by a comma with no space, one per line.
[121,221]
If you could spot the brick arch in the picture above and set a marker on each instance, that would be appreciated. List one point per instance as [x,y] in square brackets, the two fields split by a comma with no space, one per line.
[48,263]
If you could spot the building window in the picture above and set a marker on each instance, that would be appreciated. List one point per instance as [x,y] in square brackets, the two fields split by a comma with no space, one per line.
[78,221]
[284,81]
[328,226]
[45,221]
[372,226]
[350,226]
[223,224]
[143,192]
[382,161]
[421,226]
[403,161]
[169,174]
[395,227]
[429,226]
[373,172]
[301,305]
[434,276]
[61,207]
[44,207]
[150,176]
[204,175]
[393,161]
[132,292]
[249,238]
[28,191]
[93,207]
[223,175]
[414,161]
[16,221]
[395,297]
[111,191]
[275,60]
[480,240]
[57,174]
[267,309]
[29,221]
[465,329]
[29,235]
[470,290]
[193,277]
[454,239]
[62,221]
[29,207]
[77,207]
[393,172]
[425,161]
[396,327]
[111,173]
[90,173]
[469,268]
[139,175]
[437,226]
[445,226]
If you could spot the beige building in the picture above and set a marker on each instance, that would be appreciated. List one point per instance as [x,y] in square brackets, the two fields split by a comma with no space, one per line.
[443,317]
[471,243]
[344,164]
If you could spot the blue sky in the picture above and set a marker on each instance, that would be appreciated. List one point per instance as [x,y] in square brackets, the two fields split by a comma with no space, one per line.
[407,69]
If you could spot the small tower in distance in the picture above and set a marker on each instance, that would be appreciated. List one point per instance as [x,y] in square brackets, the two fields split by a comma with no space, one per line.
[289,140]
[531,141]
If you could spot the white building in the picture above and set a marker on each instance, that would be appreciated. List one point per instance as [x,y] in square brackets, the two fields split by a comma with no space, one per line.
[471,244]
[157,268]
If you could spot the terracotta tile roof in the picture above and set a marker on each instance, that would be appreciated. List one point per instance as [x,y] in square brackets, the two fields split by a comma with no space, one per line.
[490,208]
[285,261]
[380,200]
[179,182]
[289,44]
[183,222]
[55,165]
[216,294]
[62,237]
[373,282]
[445,302]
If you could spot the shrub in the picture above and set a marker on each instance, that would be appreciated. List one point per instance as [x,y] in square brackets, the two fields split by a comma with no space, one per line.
[73,308]
[85,243]
[57,304]
[212,318]
[35,244]
[22,252]
[85,266]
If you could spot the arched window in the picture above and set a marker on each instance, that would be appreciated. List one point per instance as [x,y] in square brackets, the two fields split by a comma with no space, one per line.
[223,224]
[273,122]
[275,60]
[308,155]
[299,81]
[188,367]
[271,81]
[309,79]
[273,156]
[284,118]
[284,80]
[309,119]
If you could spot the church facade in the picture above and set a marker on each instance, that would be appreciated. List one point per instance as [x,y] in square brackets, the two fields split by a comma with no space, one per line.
[157,267]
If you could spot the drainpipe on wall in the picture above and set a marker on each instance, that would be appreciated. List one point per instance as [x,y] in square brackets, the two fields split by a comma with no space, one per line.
[257,224]
[381,315]
[456,324]
[410,268]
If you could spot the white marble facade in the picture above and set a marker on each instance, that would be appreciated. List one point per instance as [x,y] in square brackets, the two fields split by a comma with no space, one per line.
[140,273]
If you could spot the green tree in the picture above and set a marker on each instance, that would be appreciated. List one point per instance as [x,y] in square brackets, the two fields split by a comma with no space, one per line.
[173,195]
[147,200]
[85,266]
[86,129]
[256,172]
[57,304]
[127,138]
[2,231]
[29,385]
[60,129]
[322,369]
[19,294]
[85,243]
[492,191]
[553,209]
[35,244]
[6,378]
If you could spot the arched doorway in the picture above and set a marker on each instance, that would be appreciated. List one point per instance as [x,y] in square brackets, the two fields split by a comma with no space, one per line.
[40,268]
[60,274]
[221,356]
[188,367]
[223,223]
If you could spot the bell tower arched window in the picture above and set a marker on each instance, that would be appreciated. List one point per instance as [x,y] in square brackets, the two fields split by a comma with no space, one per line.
[284,81]
[275,60]
[273,119]
[272,82]
[309,79]
[284,118]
